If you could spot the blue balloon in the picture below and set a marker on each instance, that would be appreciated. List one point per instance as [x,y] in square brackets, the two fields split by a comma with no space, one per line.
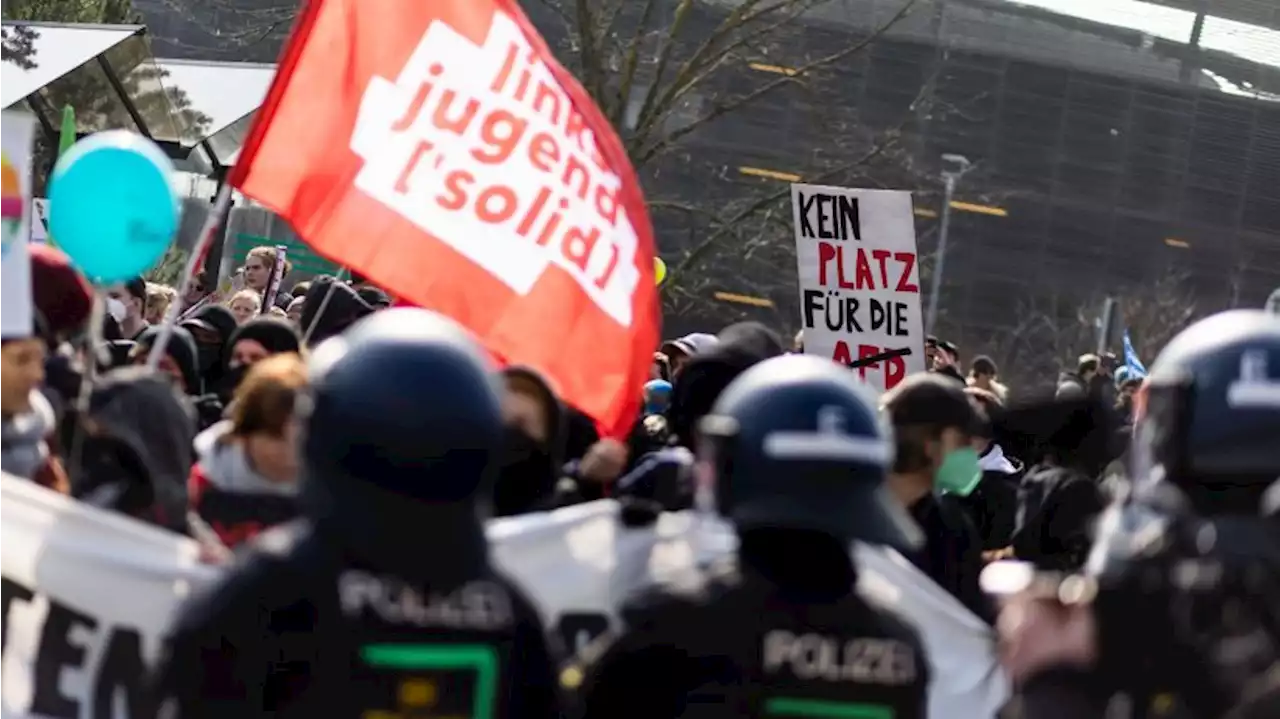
[112,205]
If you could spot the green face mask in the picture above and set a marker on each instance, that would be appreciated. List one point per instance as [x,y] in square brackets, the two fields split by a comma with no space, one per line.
[959,473]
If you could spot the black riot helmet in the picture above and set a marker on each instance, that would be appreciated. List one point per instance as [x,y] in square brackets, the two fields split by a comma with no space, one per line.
[795,443]
[404,432]
[1211,413]
[1186,565]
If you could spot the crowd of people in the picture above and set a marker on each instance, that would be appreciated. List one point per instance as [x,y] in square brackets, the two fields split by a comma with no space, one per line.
[215,445]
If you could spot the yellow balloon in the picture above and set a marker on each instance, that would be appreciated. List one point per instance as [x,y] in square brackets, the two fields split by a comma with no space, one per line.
[659,271]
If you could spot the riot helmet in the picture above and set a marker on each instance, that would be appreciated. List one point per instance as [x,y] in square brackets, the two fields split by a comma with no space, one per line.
[1210,419]
[404,426]
[795,443]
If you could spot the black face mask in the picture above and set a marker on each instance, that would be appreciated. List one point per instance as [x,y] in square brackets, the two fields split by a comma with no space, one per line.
[209,356]
[527,477]
[229,381]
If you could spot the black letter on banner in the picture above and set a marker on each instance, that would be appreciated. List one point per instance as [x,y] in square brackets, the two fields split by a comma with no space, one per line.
[806,204]
[56,651]
[9,591]
[826,217]
[849,218]
[812,300]
[122,668]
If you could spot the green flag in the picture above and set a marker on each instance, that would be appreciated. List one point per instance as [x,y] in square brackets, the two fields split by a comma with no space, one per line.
[66,138]
[67,135]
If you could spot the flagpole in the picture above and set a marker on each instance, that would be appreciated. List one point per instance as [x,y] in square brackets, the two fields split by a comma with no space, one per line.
[198,253]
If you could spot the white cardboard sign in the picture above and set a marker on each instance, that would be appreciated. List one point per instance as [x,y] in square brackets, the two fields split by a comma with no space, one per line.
[859,280]
[15,214]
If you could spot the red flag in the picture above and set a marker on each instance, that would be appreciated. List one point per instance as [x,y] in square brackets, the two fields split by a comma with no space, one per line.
[439,149]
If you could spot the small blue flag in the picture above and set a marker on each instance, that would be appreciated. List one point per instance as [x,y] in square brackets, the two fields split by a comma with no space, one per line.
[1131,360]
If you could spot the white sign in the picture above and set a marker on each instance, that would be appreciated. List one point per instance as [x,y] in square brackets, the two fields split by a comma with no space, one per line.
[88,596]
[15,195]
[859,280]
[40,220]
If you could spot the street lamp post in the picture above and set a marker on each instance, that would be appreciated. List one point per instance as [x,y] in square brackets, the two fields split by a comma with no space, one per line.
[954,167]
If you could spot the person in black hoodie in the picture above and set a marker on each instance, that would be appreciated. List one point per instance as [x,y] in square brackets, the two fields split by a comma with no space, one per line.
[535,428]
[211,326]
[993,505]
[136,449]
[660,478]
[179,361]
[250,343]
[1058,499]
[738,347]
[330,307]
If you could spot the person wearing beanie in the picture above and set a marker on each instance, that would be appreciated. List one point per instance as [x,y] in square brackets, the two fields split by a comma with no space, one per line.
[26,416]
[534,444]
[342,309]
[59,292]
[679,352]
[211,327]
[179,361]
[251,343]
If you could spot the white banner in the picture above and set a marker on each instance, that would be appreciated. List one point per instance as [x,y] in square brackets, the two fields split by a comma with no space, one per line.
[15,210]
[86,596]
[89,594]
[859,280]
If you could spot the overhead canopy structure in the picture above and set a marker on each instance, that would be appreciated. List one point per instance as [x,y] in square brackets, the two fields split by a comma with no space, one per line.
[199,112]
[104,72]
[218,99]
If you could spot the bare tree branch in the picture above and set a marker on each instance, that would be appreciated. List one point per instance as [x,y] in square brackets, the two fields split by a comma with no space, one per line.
[700,249]
[697,68]
[590,72]
[559,12]
[646,154]
[664,57]
[617,111]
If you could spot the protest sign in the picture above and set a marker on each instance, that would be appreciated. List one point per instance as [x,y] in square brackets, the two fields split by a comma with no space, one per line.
[859,280]
[15,211]
[40,220]
[88,596]
[470,174]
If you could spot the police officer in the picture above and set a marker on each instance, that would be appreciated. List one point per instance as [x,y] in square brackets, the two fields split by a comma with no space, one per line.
[1179,604]
[382,602]
[795,457]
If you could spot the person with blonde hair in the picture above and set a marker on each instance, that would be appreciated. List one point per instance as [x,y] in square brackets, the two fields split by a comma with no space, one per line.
[159,297]
[246,477]
[245,305]
[259,264]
